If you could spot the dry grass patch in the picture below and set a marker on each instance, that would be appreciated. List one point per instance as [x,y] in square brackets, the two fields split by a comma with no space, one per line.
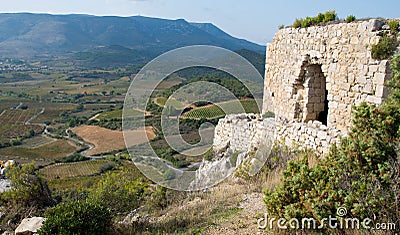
[105,140]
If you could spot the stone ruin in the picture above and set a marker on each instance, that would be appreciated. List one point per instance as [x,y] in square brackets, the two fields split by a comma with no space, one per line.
[313,78]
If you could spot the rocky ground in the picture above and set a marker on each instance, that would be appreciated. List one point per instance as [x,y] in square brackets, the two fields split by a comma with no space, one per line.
[4,185]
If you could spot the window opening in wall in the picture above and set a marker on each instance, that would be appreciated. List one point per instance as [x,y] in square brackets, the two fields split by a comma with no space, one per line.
[311,95]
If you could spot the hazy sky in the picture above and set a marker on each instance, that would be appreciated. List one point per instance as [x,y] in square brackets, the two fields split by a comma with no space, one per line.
[255,20]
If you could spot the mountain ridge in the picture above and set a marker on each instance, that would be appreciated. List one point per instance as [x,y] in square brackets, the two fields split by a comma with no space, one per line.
[30,34]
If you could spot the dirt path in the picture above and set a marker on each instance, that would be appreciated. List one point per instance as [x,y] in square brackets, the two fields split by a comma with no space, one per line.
[243,222]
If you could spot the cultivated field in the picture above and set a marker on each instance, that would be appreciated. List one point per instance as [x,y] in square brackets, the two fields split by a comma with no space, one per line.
[42,155]
[75,169]
[105,140]
[117,114]
[37,141]
[161,101]
[216,111]
[13,124]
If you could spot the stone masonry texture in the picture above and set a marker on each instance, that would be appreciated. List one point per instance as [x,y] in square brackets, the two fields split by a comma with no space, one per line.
[313,78]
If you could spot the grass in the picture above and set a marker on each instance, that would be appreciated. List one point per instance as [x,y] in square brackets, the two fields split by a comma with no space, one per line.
[75,169]
[36,141]
[161,101]
[80,182]
[231,207]
[114,114]
[42,155]
[117,114]
[216,111]
[195,212]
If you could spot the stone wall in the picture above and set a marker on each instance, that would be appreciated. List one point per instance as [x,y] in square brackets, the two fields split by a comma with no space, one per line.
[245,132]
[313,78]
[320,72]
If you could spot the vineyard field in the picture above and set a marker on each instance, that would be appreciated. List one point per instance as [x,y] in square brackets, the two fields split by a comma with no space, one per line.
[216,111]
[117,114]
[52,111]
[13,124]
[41,155]
[37,141]
[75,169]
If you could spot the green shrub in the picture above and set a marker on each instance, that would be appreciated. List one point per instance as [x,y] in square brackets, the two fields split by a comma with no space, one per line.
[297,23]
[281,26]
[308,21]
[77,217]
[393,25]
[157,200]
[329,16]
[209,155]
[350,18]
[28,188]
[320,18]
[120,191]
[73,158]
[233,158]
[107,167]
[384,49]
[269,114]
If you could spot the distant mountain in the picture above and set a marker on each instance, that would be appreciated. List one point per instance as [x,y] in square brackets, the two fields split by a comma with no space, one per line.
[98,38]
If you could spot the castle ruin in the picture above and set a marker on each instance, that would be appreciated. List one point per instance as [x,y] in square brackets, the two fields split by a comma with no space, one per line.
[313,78]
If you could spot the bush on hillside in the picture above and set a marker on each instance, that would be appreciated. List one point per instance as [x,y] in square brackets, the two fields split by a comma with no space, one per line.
[350,18]
[394,26]
[77,217]
[309,21]
[27,188]
[120,191]
[385,48]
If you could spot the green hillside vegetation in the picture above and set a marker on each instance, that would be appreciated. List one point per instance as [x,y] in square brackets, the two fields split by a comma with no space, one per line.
[221,78]
[113,114]
[161,101]
[117,114]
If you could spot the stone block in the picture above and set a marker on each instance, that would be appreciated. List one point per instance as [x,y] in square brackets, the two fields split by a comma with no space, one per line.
[379,78]
[30,225]
[367,89]
[373,99]
[322,135]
